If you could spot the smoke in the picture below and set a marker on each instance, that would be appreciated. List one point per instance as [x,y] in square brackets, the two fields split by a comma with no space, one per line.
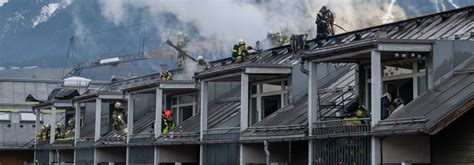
[226,21]
[454,4]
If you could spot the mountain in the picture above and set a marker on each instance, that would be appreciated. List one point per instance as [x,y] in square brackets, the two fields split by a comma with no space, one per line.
[37,32]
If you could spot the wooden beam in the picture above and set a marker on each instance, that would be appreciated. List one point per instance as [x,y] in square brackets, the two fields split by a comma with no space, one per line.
[402,47]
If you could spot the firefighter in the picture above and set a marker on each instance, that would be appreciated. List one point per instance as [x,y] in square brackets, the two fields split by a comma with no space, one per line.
[41,132]
[386,102]
[182,44]
[202,64]
[58,134]
[166,76]
[118,117]
[240,51]
[70,128]
[324,23]
[168,122]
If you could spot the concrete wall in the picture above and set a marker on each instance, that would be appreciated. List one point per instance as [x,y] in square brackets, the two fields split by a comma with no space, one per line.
[254,153]
[15,157]
[184,154]
[112,154]
[66,156]
[411,148]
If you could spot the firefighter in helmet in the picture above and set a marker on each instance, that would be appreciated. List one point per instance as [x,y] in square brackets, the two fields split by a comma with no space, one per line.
[166,76]
[182,43]
[168,122]
[118,116]
[202,64]
[240,51]
[58,134]
[324,23]
[70,128]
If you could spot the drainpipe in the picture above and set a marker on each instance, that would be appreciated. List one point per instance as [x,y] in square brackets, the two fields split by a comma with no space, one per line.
[302,69]
[267,151]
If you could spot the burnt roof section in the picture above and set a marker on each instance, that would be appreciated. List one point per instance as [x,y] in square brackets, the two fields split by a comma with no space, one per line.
[435,109]
[180,76]
[275,57]
[449,25]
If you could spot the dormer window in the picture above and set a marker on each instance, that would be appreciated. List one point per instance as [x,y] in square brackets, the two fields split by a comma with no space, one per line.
[266,98]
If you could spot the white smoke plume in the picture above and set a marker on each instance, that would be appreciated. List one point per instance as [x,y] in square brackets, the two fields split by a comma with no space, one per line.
[229,20]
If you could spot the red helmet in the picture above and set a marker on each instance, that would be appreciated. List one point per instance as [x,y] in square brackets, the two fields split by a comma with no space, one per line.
[168,114]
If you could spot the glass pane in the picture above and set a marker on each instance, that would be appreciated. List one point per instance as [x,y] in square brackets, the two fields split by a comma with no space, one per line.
[253,111]
[421,66]
[270,104]
[186,99]
[174,100]
[271,87]
[253,89]
[4,116]
[422,87]
[27,117]
[398,69]
[186,112]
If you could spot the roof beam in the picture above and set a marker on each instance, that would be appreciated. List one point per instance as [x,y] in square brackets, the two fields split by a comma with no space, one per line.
[403,47]
[267,70]
[178,86]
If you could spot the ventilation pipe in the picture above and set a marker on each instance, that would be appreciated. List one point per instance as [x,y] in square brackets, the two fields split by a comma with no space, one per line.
[267,151]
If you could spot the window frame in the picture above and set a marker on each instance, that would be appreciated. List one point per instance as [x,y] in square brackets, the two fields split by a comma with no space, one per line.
[178,106]
[284,93]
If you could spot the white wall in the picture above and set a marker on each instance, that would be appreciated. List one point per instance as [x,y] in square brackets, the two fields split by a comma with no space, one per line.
[412,148]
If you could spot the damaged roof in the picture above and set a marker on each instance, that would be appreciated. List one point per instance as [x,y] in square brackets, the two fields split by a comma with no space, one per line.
[449,25]
[435,109]
[180,75]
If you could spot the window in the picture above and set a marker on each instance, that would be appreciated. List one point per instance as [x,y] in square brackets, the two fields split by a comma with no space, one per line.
[183,107]
[267,98]
[4,116]
[27,117]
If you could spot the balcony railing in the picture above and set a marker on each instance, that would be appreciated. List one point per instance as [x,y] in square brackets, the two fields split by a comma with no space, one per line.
[222,134]
[342,127]
[142,138]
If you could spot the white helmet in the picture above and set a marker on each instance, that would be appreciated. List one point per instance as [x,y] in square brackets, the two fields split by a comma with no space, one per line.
[241,42]
[118,104]
[200,58]
[179,33]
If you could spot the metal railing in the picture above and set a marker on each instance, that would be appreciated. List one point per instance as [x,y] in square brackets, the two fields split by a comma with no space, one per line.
[142,138]
[342,127]
[232,133]
[346,151]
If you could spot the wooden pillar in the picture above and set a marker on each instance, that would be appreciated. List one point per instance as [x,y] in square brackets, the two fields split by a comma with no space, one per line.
[53,125]
[130,111]
[376,94]
[98,113]
[244,102]
[313,105]
[159,110]
[204,101]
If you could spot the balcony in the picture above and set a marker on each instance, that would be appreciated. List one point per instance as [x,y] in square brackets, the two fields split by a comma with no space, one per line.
[342,127]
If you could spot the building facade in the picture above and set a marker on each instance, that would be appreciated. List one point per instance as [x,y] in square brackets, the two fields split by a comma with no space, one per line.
[325,103]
